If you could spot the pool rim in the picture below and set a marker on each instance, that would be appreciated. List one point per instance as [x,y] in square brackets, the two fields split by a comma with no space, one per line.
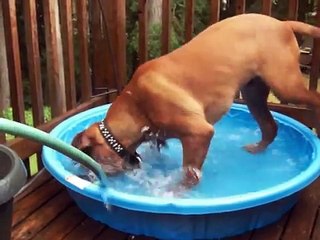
[187,206]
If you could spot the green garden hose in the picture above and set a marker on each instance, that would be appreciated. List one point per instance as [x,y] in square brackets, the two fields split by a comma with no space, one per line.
[22,130]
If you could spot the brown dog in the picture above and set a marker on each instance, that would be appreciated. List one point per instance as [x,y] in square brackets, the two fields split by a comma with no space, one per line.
[182,94]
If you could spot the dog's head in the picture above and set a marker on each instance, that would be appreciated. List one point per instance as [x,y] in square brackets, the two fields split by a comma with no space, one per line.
[93,143]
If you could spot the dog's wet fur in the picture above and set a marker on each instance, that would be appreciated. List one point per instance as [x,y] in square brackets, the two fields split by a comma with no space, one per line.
[183,93]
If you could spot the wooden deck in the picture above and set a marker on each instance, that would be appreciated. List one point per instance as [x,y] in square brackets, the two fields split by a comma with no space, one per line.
[44,211]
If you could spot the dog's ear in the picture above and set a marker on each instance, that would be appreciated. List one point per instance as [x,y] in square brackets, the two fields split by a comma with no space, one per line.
[81,141]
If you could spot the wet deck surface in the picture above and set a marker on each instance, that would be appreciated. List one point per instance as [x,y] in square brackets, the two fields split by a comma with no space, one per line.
[46,212]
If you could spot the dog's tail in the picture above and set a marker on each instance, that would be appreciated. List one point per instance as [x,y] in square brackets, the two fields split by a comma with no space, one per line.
[304,28]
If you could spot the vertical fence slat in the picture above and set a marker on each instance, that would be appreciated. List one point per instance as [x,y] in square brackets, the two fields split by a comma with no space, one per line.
[143,30]
[103,63]
[3,73]
[115,16]
[34,70]
[240,6]
[32,44]
[215,11]
[13,58]
[54,58]
[293,9]
[4,78]
[82,24]
[189,16]
[68,51]
[120,17]
[266,7]
[315,63]
[166,26]
[100,59]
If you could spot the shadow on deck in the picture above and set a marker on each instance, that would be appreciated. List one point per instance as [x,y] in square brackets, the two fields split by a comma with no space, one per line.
[44,211]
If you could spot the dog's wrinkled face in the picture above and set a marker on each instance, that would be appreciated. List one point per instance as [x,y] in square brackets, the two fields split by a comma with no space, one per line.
[92,143]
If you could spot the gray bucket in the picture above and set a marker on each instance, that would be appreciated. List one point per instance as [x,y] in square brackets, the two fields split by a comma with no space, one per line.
[13,176]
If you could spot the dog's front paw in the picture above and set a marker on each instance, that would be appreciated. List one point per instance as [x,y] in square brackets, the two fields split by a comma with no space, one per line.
[254,148]
[192,177]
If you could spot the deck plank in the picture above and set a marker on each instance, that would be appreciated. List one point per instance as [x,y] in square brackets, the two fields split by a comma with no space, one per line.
[109,233]
[32,202]
[316,230]
[48,212]
[38,180]
[271,232]
[303,216]
[87,229]
[62,225]
[42,217]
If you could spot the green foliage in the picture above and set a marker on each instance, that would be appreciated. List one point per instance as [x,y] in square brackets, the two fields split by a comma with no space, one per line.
[154,41]
[28,115]
[154,31]
[201,21]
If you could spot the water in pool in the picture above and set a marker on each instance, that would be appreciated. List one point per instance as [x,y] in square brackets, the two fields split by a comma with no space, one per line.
[228,169]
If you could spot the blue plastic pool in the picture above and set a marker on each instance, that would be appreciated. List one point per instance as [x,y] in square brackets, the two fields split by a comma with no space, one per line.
[238,191]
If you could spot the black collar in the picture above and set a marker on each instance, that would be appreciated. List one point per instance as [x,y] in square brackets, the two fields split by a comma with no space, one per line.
[133,159]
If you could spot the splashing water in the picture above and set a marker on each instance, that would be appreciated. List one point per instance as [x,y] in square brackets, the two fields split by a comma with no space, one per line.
[228,169]
[158,175]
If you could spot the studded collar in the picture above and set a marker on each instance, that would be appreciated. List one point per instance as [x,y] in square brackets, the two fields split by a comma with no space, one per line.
[133,159]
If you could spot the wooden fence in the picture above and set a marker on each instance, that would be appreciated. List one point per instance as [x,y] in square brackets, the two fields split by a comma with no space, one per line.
[71,82]
[76,81]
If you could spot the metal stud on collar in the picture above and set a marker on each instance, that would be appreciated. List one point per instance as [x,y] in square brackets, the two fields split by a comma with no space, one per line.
[116,146]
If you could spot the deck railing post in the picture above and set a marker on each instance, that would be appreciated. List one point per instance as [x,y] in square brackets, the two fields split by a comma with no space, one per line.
[266,7]
[55,68]
[115,14]
[215,11]
[293,9]
[143,30]
[4,82]
[13,58]
[315,62]
[68,52]
[166,26]
[30,18]
[189,19]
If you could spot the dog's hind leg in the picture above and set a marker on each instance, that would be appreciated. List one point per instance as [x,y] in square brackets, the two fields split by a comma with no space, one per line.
[287,83]
[302,95]
[255,93]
